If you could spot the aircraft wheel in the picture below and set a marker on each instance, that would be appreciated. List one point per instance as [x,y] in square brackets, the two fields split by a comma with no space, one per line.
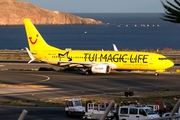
[88,72]
[156,74]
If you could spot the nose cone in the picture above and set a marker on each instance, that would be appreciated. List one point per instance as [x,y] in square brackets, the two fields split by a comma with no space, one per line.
[169,64]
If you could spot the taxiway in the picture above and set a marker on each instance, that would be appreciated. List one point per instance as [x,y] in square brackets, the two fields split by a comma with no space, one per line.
[54,84]
[18,83]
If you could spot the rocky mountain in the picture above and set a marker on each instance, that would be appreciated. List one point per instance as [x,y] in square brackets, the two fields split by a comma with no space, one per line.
[12,12]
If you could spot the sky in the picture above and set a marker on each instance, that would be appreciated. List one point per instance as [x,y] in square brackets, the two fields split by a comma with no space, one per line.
[101,6]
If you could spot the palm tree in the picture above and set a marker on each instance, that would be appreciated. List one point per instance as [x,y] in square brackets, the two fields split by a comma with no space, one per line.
[172,11]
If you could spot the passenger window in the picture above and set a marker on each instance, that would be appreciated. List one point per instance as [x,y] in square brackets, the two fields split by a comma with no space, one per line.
[124,110]
[133,111]
[142,112]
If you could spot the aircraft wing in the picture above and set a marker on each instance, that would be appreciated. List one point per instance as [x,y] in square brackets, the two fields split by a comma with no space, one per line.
[76,64]
[70,63]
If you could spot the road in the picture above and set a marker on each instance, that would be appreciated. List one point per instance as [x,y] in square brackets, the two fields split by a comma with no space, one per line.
[34,113]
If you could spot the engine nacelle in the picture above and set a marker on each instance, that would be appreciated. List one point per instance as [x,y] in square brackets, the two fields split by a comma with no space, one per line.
[100,68]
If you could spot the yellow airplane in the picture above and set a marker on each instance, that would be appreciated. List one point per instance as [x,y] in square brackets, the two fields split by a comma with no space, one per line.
[91,61]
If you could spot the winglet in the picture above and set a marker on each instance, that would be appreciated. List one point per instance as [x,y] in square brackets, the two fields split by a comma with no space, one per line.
[30,55]
[115,48]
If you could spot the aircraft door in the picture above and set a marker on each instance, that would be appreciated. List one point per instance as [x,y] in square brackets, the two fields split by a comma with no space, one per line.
[151,60]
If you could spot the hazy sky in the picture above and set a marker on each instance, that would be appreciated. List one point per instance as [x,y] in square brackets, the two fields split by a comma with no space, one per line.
[101,6]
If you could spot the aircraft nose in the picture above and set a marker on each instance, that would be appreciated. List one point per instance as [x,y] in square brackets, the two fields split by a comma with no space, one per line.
[170,63]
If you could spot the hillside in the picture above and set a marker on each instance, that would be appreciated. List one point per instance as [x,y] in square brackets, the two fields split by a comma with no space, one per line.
[14,11]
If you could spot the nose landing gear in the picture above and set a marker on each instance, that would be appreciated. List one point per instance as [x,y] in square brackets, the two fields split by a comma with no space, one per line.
[156,74]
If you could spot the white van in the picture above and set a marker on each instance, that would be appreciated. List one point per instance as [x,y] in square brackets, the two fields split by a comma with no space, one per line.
[136,113]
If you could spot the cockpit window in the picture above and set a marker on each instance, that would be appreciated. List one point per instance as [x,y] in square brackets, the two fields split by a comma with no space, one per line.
[162,58]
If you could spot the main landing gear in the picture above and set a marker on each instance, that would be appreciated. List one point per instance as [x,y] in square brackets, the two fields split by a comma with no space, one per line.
[88,72]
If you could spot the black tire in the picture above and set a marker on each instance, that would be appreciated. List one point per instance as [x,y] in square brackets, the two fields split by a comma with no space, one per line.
[67,114]
[88,72]
[156,74]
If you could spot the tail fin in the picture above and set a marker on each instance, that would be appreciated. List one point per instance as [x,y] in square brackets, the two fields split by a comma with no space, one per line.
[35,40]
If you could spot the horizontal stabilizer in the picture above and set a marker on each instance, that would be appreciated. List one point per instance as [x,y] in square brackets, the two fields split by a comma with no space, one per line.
[30,55]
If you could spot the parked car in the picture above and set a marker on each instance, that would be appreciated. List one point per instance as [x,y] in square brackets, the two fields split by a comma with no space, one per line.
[136,113]
[168,113]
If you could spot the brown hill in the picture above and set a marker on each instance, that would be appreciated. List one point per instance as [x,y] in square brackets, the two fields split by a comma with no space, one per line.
[12,12]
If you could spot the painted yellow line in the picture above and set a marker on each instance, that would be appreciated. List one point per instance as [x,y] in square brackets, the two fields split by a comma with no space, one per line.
[22,86]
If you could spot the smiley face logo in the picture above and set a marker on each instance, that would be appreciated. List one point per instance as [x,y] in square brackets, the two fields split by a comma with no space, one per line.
[33,42]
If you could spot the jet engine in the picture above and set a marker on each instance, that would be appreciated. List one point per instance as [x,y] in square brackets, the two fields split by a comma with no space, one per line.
[100,68]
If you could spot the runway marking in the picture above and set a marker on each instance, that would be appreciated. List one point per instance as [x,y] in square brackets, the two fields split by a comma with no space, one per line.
[22,86]
[47,79]
[28,91]
[28,84]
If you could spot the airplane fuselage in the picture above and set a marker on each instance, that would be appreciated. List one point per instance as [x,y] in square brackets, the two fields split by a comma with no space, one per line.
[125,60]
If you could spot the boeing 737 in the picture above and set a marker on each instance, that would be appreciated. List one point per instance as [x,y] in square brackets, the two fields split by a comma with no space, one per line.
[92,61]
